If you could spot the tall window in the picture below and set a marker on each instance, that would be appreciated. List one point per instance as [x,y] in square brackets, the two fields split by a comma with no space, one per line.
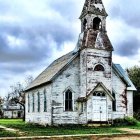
[45,102]
[33,102]
[28,103]
[68,101]
[38,95]
[114,102]
[99,68]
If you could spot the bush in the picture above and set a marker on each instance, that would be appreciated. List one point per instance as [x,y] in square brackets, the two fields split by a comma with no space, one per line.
[137,115]
[127,121]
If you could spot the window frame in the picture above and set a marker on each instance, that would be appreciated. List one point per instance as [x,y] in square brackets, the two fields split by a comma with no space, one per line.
[101,69]
[28,103]
[33,103]
[38,101]
[45,101]
[114,107]
[72,101]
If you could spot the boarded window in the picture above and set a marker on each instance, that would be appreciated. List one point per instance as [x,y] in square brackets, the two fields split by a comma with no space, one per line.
[68,101]
[45,101]
[99,68]
[38,95]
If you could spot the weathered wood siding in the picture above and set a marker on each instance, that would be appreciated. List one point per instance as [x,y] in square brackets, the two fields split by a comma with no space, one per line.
[68,79]
[40,117]
[130,103]
[89,78]
[119,87]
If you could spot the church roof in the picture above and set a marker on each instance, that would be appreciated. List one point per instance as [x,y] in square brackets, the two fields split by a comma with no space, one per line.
[58,65]
[93,7]
[93,37]
[52,70]
[124,76]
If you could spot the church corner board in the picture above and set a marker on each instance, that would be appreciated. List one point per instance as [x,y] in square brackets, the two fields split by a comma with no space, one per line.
[84,85]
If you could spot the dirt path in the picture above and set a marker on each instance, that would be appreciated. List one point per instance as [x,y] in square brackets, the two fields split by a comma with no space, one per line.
[8,129]
[130,131]
[11,130]
[121,138]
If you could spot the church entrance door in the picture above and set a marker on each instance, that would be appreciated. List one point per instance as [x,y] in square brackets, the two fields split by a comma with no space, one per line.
[99,107]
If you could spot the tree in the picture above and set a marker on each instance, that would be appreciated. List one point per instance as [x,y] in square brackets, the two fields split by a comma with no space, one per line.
[1,107]
[134,74]
[17,93]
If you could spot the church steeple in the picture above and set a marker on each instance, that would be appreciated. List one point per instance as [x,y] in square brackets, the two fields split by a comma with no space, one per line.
[93,15]
[93,7]
[93,26]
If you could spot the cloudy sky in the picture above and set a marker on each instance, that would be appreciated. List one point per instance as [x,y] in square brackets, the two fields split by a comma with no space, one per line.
[35,32]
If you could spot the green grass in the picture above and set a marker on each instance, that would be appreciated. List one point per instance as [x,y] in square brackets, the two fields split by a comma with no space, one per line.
[136,126]
[4,133]
[36,130]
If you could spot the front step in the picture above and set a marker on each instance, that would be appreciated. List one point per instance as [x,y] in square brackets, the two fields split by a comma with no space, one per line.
[98,123]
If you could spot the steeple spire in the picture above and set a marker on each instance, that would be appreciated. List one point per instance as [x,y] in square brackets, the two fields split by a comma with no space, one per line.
[93,26]
[93,7]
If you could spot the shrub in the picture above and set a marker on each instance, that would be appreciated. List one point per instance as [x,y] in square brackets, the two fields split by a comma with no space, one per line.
[137,115]
[127,121]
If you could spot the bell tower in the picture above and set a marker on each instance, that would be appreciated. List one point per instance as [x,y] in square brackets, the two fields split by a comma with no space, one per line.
[95,48]
[93,15]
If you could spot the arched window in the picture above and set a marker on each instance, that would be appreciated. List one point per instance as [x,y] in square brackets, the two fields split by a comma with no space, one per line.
[28,103]
[45,101]
[114,102]
[38,95]
[99,68]
[96,23]
[84,24]
[99,93]
[33,96]
[68,101]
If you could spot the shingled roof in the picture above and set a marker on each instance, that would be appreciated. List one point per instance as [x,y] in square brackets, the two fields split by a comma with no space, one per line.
[124,76]
[52,70]
[90,37]
[92,7]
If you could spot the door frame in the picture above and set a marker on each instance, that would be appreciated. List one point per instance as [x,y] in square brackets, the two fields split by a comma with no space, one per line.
[105,98]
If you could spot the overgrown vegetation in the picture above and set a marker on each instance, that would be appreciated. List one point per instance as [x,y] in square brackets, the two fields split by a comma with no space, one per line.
[127,121]
[134,74]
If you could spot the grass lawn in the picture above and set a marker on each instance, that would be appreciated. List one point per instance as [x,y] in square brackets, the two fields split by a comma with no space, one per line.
[136,126]
[4,133]
[33,130]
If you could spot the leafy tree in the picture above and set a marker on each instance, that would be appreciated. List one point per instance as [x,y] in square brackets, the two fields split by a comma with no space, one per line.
[134,74]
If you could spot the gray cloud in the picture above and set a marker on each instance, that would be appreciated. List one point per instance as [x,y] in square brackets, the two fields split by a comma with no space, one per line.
[127,10]
[37,41]
[128,47]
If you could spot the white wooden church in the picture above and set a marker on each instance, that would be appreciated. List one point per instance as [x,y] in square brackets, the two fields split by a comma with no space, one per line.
[83,86]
